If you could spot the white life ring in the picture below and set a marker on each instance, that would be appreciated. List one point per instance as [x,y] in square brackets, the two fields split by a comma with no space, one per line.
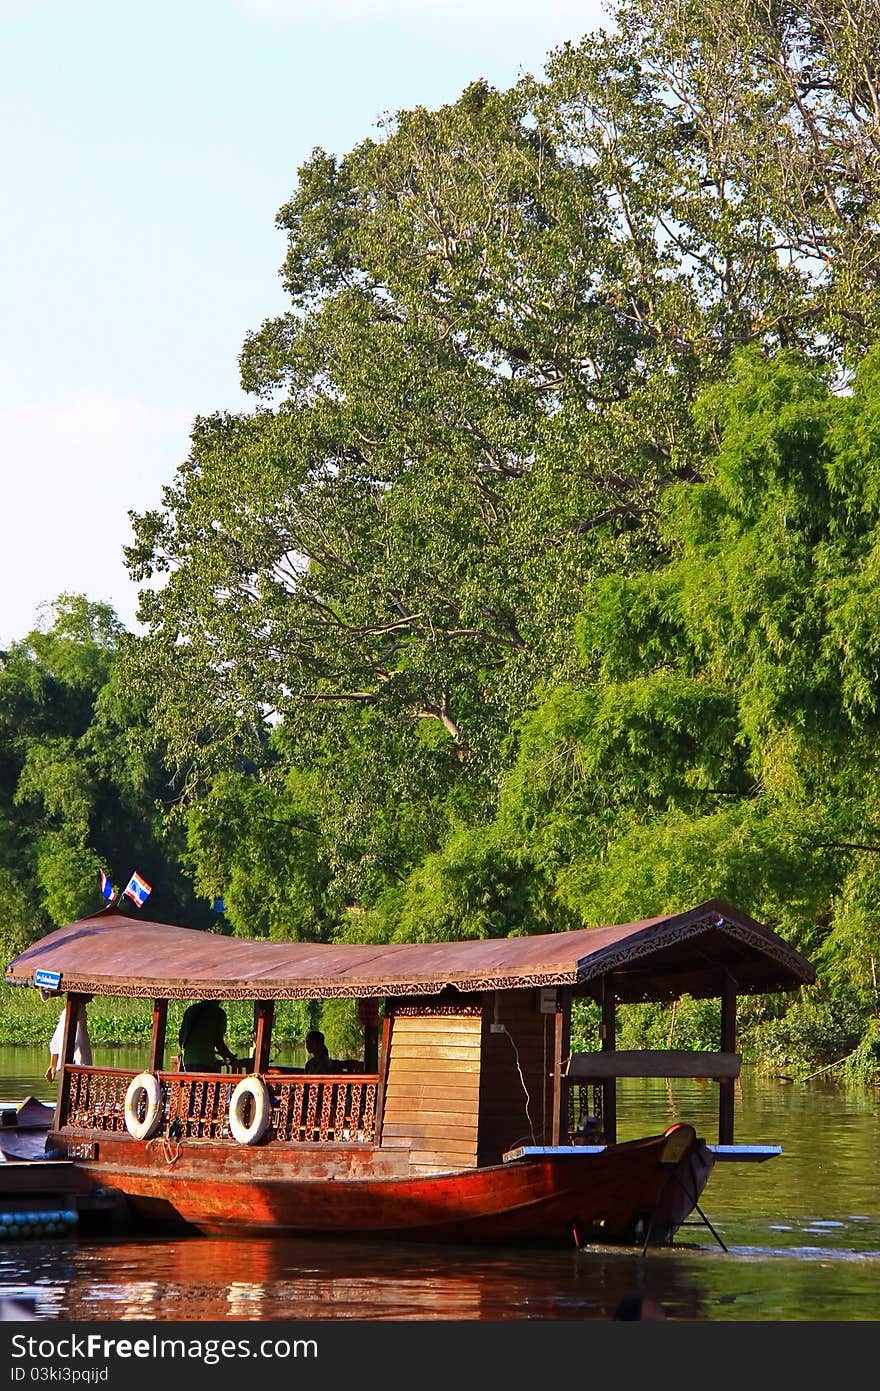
[146,1084]
[250,1094]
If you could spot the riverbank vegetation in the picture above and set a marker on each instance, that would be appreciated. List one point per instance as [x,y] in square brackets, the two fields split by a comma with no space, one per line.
[25,1019]
[539,588]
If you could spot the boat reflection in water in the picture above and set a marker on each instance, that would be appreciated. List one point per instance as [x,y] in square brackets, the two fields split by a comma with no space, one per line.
[253,1279]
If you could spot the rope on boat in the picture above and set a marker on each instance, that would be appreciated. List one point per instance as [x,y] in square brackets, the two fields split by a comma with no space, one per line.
[522,1080]
[170,1149]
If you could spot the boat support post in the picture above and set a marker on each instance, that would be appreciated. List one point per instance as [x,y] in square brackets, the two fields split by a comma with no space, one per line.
[728,1044]
[608,1033]
[157,1037]
[264,1017]
[704,1222]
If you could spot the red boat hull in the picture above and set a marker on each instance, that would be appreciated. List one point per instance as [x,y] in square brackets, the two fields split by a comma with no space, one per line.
[624,1192]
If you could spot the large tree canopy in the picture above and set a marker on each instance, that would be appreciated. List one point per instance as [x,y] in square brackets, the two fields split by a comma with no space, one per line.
[537,586]
[500,313]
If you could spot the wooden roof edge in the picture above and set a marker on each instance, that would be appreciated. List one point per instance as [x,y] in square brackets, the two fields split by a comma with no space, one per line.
[308,989]
[691,923]
[643,939]
[799,964]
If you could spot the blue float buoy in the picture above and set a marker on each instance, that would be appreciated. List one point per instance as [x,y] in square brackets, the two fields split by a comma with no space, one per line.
[52,1222]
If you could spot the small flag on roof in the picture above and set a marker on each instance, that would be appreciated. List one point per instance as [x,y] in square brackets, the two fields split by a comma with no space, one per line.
[106,887]
[138,889]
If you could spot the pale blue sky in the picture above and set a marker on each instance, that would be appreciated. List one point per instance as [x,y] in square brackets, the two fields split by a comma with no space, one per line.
[144,153]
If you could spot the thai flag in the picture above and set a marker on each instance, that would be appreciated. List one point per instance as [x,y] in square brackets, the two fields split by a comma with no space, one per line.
[138,889]
[106,887]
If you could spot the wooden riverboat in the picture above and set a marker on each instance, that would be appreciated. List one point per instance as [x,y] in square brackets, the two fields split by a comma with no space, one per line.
[467,1119]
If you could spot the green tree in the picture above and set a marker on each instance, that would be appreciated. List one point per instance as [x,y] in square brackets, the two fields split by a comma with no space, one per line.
[80,789]
[500,313]
[257,847]
[501,626]
[722,739]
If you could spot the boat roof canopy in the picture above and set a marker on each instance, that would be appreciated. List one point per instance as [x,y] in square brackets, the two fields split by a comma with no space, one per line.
[117,953]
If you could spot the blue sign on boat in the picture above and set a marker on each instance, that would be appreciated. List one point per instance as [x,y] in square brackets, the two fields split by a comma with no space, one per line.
[48,980]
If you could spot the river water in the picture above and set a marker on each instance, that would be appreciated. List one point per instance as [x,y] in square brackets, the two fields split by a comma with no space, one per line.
[802,1232]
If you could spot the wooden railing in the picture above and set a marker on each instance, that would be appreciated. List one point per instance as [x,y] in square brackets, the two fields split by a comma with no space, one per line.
[196,1105]
[591,1078]
[332,1109]
[583,1111]
[96,1098]
[340,1110]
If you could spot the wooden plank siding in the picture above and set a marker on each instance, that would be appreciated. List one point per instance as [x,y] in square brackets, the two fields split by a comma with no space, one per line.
[507,1116]
[433,1090]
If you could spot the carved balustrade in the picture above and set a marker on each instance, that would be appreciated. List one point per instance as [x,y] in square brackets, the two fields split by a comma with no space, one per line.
[340,1110]
[305,1110]
[583,1104]
[96,1098]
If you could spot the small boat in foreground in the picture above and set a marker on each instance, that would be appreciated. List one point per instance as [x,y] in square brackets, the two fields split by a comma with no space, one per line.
[467,1119]
[23,1129]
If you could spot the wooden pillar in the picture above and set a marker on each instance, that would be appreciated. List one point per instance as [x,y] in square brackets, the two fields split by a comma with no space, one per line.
[609,1044]
[265,1011]
[157,1039]
[371,1048]
[384,1059]
[728,1045]
[68,1047]
[368,1018]
[561,1048]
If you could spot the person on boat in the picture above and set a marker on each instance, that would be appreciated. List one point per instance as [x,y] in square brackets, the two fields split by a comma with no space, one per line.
[82,1051]
[319,1059]
[202,1038]
[82,1046]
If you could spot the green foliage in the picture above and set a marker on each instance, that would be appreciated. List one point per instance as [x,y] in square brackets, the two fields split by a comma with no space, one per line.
[26,1019]
[820,1032]
[688,1023]
[475,886]
[293,1019]
[257,847]
[20,920]
[81,786]
[539,586]
[338,1021]
[713,747]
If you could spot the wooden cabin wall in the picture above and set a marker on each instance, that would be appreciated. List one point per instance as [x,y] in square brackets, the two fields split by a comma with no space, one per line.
[433,1087]
[504,1120]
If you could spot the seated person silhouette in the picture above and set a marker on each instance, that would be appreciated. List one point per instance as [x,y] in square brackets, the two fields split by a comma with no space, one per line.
[319,1059]
[202,1038]
[203,1049]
